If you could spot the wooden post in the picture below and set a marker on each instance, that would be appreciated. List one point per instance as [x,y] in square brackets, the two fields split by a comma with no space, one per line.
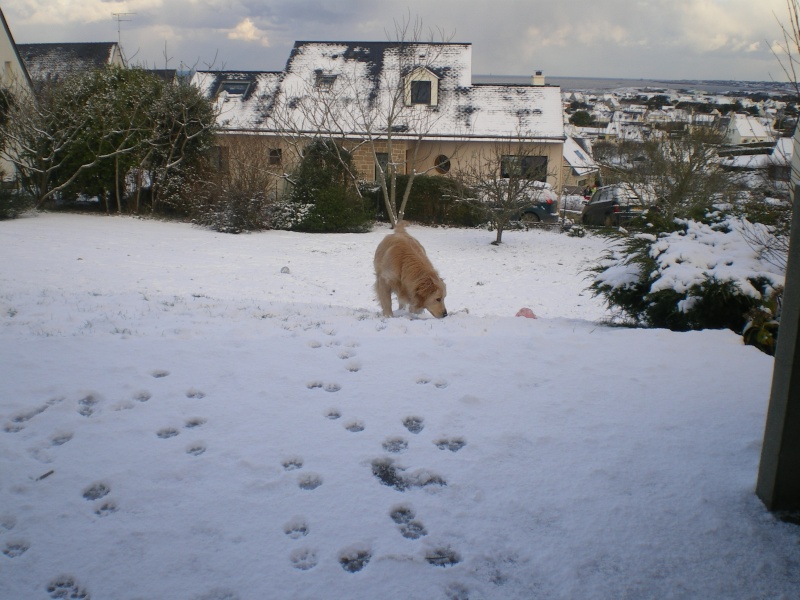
[778,483]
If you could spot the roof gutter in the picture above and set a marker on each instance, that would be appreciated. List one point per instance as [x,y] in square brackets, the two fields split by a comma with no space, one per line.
[400,136]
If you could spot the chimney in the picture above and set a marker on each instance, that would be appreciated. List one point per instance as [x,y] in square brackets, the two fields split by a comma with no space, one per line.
[537,79]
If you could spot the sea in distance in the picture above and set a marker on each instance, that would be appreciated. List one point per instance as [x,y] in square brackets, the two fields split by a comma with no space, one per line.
[572,84]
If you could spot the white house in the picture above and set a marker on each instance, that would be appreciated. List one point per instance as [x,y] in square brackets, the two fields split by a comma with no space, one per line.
[417,98]
[14,78]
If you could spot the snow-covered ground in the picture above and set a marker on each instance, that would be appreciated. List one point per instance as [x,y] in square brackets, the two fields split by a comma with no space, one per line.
[180,419]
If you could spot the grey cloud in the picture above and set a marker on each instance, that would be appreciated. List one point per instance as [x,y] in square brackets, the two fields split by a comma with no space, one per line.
[611,38]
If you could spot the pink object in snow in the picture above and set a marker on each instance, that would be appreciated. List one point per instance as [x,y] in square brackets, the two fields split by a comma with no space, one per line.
[525,312]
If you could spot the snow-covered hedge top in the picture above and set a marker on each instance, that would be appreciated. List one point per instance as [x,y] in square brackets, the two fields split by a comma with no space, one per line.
[689,258]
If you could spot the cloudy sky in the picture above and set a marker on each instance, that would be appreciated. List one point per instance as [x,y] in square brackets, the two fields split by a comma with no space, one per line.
[666,39]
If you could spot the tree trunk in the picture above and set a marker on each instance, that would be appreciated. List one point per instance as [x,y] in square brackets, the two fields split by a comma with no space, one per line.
[116,185]
[499,238]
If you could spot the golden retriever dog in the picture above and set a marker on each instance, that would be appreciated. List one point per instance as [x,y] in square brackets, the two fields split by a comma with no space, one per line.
[402,267]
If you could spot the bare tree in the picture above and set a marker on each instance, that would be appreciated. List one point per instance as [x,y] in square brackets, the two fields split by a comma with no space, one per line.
[787,52]
[504,179]
[377,115]
[673,175]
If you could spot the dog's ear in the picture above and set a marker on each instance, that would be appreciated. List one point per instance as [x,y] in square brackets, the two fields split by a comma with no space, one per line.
[425,288]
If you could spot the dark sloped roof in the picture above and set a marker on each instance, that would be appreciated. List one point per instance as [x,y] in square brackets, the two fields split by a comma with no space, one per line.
[49,62]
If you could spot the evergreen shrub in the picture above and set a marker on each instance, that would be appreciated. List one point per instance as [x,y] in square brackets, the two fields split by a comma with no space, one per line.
[703,277]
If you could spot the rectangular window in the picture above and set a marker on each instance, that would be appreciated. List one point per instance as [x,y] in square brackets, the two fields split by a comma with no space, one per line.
[421,92]
[382,158]
[525,167]
[275,156]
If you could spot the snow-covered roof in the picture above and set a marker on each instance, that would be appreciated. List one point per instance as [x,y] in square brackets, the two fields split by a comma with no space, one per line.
[368,74]
[779,156]
[578,158]
[240,95]
[49,62]
[748,126]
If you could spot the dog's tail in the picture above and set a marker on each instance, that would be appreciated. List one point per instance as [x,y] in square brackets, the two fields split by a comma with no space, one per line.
[400,227]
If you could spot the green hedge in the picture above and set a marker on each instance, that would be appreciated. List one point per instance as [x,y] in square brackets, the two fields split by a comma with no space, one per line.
[433,201]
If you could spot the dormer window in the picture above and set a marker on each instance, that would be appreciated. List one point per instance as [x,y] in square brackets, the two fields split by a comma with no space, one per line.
[421,88]
[234,88]
[325,82]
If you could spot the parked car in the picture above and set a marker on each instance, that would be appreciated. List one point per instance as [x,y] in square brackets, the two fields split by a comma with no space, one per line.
[612,205]
[543,207]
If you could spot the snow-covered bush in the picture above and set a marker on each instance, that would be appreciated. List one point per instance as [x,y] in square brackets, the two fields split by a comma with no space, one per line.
[232,211]
[285,214]
[702,276]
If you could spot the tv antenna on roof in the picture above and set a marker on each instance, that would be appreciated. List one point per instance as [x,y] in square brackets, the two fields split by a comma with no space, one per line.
[120,18]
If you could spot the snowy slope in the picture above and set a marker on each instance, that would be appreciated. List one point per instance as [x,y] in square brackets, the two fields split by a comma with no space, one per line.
[179,419]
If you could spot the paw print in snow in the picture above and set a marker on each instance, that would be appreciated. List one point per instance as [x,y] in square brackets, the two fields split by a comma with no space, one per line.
[106,508]
[59,439]
[442,557]
[414,424]
[410,528]
[296,528]
[167,432]
[87,404]
[355,426]
[354,559]
[196,449]
[303,559]
[293,463]
[96,491]
[15,548]
[65,586]
[452,444]
[395,445]
[309,481]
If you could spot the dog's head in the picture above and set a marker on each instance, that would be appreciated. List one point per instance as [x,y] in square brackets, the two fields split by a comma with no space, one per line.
[430,295]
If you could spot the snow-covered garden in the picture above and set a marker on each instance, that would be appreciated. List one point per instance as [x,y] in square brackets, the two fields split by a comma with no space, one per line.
[188,414]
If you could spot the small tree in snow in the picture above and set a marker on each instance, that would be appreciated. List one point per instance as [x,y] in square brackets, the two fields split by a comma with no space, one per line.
[674,176]
[505,179]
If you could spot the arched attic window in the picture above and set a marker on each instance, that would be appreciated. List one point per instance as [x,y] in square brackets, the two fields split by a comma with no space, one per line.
[421,87]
